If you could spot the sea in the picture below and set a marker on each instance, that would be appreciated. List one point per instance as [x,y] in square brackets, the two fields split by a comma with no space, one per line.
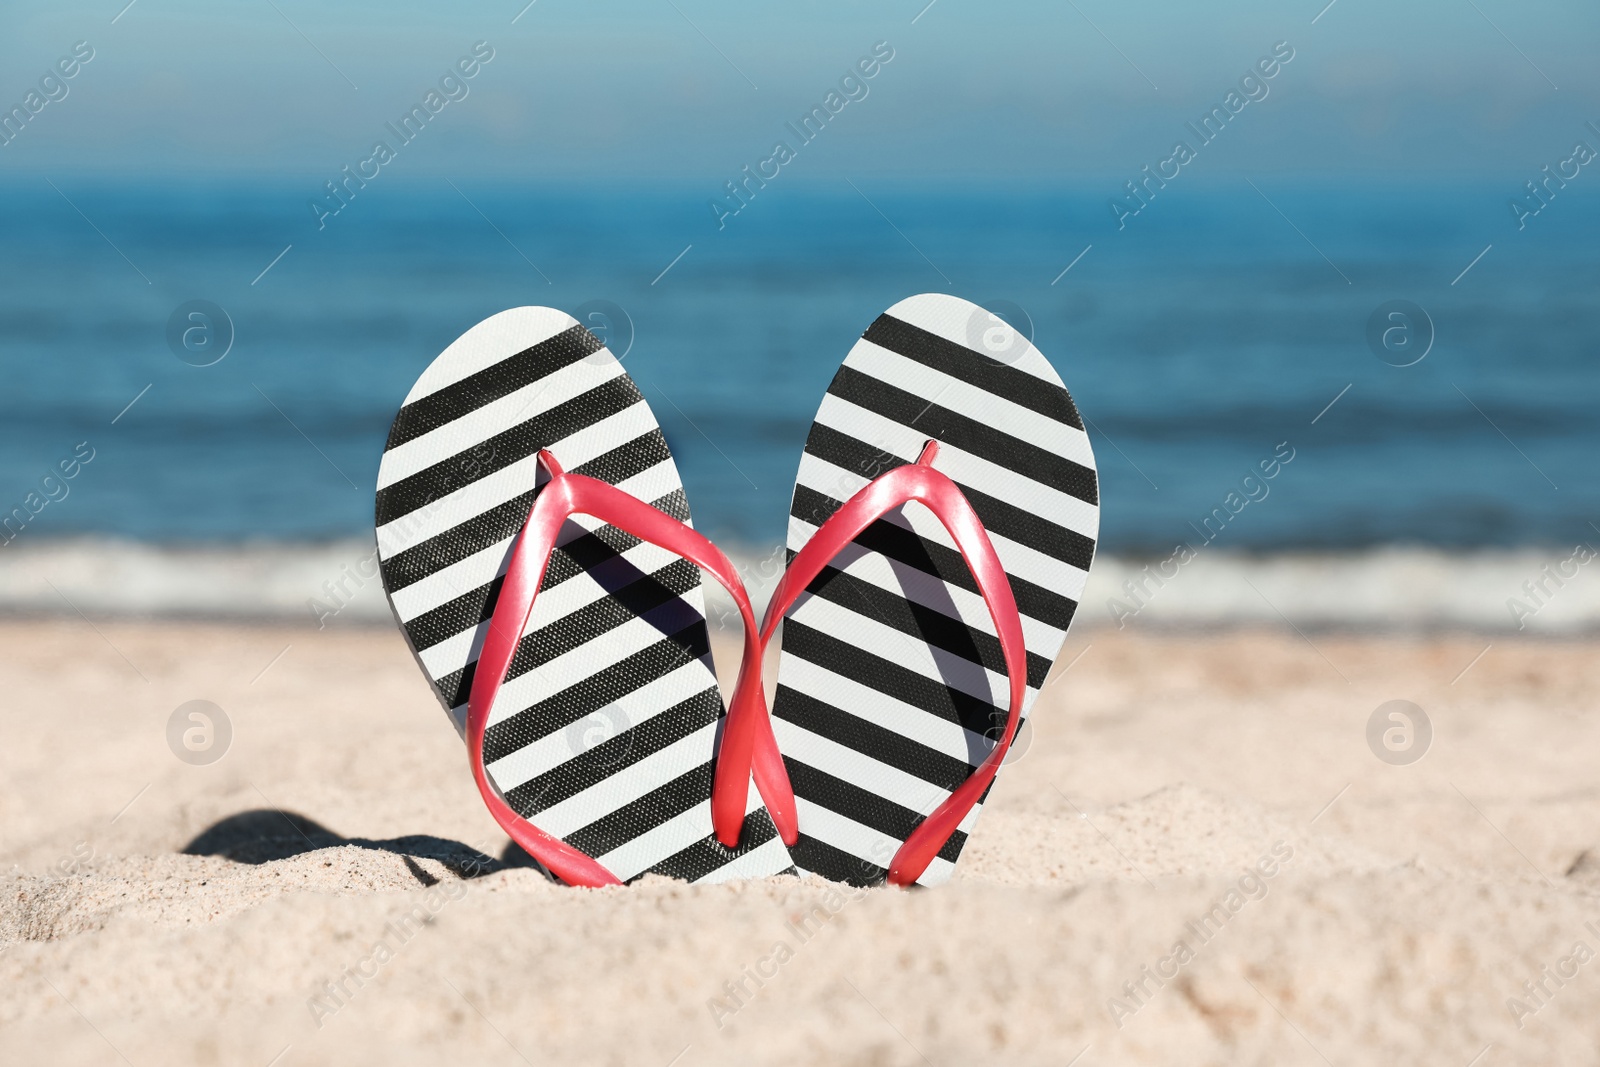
[1430,368]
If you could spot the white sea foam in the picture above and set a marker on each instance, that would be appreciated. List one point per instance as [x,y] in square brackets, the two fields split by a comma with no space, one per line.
[322,584]
[1385,588]
[334,583]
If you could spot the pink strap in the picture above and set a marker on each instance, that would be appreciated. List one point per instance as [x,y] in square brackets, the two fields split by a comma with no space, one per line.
[563,496]
[920,482]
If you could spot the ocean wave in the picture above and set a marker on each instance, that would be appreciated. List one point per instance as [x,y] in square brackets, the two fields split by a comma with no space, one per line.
[322,584]
[1539,591]
[1534,591]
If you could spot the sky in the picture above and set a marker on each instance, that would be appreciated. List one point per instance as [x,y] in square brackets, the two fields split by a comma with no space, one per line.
[645,91]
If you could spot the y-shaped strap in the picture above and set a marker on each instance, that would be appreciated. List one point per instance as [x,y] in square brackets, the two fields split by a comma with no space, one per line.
[563,496]
[920,482]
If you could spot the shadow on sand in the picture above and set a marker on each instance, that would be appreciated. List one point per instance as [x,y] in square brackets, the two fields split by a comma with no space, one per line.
[264,835]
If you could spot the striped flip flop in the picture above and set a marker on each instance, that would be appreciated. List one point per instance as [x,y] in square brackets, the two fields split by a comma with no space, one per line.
[570,651]
[895,705]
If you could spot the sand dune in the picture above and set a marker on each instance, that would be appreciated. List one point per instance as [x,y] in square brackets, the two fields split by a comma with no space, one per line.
[331,890]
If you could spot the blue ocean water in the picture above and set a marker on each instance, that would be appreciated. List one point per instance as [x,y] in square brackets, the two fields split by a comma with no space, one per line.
[1216,325]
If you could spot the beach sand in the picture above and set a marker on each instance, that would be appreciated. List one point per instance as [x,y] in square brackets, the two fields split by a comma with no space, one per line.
[1406,903]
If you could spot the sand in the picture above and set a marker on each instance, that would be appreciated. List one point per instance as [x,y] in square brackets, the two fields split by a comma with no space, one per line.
[1406,904]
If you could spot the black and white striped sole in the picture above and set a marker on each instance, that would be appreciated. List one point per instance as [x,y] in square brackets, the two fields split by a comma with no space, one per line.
[891,686]
[604,730]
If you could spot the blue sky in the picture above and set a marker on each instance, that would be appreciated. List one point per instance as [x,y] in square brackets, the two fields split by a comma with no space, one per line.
[691,90]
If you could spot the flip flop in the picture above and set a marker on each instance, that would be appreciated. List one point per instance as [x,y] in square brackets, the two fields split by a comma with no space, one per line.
[534,543]
[915,643]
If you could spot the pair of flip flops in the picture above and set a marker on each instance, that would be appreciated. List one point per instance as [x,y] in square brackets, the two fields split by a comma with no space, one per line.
[536,547]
